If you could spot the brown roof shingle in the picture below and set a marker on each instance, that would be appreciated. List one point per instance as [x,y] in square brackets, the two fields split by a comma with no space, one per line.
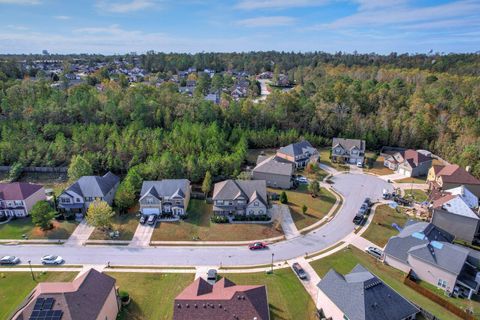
[453,173]
[18,190]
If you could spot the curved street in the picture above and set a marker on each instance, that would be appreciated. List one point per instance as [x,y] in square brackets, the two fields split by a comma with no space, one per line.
[354,188]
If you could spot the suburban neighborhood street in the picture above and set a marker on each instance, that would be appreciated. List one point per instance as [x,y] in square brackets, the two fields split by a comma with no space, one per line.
[353,187]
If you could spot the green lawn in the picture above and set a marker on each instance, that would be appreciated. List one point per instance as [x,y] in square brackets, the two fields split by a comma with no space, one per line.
[199,227]
[412,180]
[14,287]
[286,295]
[344,261]
[24,226]
[125,223]
[380,230]
[318,175]
[317,207]
[378,167]
[152,294]
[325,159]
[416,194]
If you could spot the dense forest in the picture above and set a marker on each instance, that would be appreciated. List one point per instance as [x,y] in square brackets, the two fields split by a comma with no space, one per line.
[418,101]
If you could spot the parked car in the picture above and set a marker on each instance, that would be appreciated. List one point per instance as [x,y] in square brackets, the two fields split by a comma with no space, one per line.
[212,275]
[151,219]
[299,271]
[364,209]
[302,180]
[368,202]
[377,253]
[360,164]
[358,219]
[9,260]
[274,196]
[49,259]
[143,219]
[257,246]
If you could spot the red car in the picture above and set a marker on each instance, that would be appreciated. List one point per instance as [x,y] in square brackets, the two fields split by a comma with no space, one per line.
[258,245]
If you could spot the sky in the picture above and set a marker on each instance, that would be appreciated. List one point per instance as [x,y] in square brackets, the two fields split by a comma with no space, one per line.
[123,26]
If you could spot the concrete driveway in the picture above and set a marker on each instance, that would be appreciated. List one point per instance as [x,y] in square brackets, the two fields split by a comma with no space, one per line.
[81,234]
[142,236]
[354,188]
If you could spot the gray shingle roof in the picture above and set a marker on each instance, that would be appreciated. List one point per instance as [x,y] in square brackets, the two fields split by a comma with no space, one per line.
[272,165]
[444,255]
[94,186]
[348,144]
[414,234]
[361,296]
[232,189]
[297,148]
[166,188]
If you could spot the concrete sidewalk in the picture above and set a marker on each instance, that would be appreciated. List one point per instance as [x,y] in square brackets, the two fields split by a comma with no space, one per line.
[80,235]
[310,284]
[142,236]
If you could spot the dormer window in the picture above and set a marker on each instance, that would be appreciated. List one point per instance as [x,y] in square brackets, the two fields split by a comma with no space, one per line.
[255,203]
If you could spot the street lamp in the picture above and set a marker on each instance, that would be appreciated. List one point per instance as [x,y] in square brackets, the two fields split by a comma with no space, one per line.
[271,270]
[31,270]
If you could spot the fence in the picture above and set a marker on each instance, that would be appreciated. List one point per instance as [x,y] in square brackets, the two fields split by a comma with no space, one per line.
[37,169]
[437,299]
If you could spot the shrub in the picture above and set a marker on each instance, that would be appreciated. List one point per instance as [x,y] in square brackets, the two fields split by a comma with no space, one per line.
[124,296]
[219,219]
[283,197]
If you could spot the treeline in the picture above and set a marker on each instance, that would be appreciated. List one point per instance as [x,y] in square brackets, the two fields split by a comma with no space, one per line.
[118,128]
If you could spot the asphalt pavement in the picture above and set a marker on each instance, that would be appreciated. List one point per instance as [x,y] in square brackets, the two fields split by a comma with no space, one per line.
[354,188]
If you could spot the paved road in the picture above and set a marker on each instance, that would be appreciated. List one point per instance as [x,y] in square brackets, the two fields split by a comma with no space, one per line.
[354,187]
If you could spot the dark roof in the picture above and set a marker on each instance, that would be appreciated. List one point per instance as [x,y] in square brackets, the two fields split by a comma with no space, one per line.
[348,144]
[363,296]
[444,255]
[166,188]
[94,186]
[232,189]
[271,165]
[415,157]
[81,299]
[221,301]
[18,190]
[297,148]
[453,173]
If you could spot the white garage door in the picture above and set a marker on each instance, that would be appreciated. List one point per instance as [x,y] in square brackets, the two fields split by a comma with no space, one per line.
[150,211]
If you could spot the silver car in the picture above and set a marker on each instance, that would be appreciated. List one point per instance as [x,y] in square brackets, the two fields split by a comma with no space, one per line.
[9,260]
[377,253]
[49,259]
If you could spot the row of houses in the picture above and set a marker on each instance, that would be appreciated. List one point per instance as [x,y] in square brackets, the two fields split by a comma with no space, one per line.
[94,295]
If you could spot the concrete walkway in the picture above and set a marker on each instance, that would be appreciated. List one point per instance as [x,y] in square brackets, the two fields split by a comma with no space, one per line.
[282,214]
[142,236]
[80,235]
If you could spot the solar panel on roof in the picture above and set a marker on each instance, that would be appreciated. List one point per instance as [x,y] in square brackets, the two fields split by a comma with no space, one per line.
[418,235]
[48,304]
[39,304]
[437,245]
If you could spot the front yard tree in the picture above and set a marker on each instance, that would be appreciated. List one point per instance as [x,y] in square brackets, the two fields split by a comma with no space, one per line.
[314,187]
[79,166]
[283,197]
[207,183]
[42,214]
[304,209]
[100,214]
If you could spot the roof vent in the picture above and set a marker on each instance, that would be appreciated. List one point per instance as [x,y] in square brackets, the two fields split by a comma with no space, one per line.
[204,305]
[195,305]
[186,305]
[178,305]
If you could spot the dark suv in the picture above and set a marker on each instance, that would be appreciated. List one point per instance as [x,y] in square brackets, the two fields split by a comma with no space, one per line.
[299,271]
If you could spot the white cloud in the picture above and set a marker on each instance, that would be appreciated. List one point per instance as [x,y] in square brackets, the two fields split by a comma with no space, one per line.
[25,2]
[62,17]
[273,21]
[125,6]
[278,4]
[17,27]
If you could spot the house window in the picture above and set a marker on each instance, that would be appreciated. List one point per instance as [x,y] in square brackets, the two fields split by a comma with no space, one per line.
[18,202]
[149,200]
[65,200]
[255,203]
[230,203]
[442,283]
[250,212]
[219,202]
[78,199]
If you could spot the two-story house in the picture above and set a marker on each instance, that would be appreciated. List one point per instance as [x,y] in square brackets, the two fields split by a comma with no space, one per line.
[276,171]
[409,163]
[427,252]
[240,197]
[169,196]
[452,176]
[348,150]
[18,198]
[299,153]
[77,197]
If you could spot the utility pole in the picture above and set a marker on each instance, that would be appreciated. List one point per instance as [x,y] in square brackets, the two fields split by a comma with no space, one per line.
[31,270]
[271,270]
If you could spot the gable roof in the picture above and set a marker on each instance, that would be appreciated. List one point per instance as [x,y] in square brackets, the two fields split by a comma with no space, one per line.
[94,186]
[444,255]
[361,296]
[81,299]
[18,190]
[470,199]
[222,300]
[453,173]
[272,165]
[349,144]
[454,204]
[414,234]
[232,189]
[171,188]
[297,148]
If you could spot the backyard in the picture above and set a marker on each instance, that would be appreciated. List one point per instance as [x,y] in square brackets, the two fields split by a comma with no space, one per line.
[15,229]
[344,261]
[253,154]
[286,296]
[381,229]
[199,227]
[317,207]
[14,287]
[416,195]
